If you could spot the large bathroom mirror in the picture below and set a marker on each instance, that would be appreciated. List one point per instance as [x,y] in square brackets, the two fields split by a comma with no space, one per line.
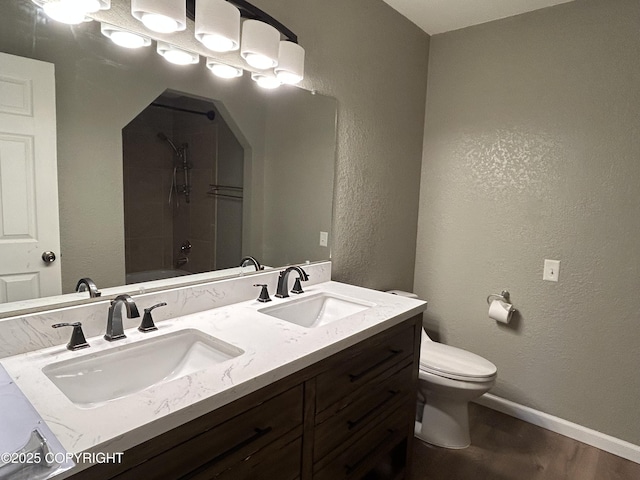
[284,151]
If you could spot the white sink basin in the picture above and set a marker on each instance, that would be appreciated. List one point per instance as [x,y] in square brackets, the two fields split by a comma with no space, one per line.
[315,310]
[91,380]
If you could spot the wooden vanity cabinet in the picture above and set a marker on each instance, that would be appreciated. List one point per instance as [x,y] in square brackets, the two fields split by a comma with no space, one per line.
[364,407]
[350,416]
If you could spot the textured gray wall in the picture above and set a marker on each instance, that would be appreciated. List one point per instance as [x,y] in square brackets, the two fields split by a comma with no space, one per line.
[374,61]
[531,152]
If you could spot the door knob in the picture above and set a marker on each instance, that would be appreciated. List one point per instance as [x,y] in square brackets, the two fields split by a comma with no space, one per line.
[48,257]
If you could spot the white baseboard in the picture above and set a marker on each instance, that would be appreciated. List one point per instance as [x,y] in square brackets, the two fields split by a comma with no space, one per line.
[563,427]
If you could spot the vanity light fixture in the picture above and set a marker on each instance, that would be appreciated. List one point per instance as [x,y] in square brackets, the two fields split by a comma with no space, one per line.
[223,70]
[290,67]
[218,25]
[260,44]
[72,12]
[176,55]
[266,80]
[162,16]
[124,38]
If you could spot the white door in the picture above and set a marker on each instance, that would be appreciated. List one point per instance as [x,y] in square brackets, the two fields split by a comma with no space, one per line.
[28,180]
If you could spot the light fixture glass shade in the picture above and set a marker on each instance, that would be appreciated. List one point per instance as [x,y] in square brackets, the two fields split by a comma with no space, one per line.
[218,25]
[72,12]
[260,44]
[223,70]
[124,38]
[290,67]
[266,80]
[176,55]
[162,16]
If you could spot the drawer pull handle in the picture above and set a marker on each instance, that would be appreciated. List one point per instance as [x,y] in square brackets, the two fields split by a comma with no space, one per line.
[354,423]
[350,468]
[357,376]
[259,432]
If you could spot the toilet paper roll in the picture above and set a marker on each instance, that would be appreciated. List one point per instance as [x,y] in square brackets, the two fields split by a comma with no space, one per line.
[501,311]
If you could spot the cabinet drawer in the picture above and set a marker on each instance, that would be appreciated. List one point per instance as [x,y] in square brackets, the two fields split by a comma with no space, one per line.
[352,371]
[278,461]
[225,445]
[359,412]
[364,453]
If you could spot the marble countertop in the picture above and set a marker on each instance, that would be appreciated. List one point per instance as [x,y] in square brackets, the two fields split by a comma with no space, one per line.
[273,349]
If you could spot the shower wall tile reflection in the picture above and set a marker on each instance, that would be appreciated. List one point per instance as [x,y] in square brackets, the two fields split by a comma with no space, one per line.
[148,172]
[158,217]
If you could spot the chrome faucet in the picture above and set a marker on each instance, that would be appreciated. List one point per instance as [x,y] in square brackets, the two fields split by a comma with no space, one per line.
[251,260]
[86,284]
[115,329]
[283,281]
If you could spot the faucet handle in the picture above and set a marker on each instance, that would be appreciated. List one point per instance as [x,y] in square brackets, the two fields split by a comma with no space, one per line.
[147,324]
[264,293]
[297,287]
[77,341]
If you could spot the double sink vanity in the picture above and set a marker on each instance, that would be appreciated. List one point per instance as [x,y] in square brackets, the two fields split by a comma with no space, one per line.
[317,385]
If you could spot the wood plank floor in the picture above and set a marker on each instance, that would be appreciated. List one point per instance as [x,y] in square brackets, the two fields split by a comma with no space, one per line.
[505,448]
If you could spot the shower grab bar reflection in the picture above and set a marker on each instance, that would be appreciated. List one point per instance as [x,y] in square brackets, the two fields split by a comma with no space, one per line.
[214,190]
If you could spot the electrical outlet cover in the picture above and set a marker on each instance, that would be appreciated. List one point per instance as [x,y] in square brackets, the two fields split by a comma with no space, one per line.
[551,270]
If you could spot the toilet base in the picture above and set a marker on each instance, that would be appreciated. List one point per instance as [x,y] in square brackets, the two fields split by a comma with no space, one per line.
[445,424]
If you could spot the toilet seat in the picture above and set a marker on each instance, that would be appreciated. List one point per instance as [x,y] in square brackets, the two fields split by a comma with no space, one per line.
[455,363]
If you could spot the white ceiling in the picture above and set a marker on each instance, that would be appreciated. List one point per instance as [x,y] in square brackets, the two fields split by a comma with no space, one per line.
[438,16]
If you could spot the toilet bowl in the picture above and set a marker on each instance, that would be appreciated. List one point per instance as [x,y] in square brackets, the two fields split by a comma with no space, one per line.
[449,378]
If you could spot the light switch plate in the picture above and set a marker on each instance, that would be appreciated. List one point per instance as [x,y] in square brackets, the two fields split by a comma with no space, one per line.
[324,239]
[551,270]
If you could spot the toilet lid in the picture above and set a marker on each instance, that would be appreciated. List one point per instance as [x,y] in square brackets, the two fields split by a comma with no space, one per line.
[455,363]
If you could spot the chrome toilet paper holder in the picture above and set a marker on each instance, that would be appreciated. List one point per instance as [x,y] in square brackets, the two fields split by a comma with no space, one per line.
[504,296]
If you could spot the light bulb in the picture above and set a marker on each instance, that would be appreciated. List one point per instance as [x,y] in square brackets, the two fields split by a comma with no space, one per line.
[162,16]
[223,71]
[261,62]
[176,55]
[128,40]
[159,23]
[288,78]
[64,12]
[124,38]
[266,81]
[72,12]
[218,43]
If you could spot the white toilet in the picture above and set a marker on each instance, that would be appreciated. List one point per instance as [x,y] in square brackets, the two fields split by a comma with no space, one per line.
[449,379]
